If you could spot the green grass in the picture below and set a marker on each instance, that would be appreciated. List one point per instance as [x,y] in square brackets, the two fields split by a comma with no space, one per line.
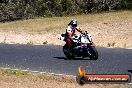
[16,72]
[58,24]
[35,75]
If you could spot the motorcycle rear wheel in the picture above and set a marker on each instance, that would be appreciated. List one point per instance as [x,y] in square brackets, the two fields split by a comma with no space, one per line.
[68,53]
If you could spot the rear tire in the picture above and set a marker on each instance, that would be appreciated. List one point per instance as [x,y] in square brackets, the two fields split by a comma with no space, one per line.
[68,52]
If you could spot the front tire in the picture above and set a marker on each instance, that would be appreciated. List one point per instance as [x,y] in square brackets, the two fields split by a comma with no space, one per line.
[68,53]
[93,53]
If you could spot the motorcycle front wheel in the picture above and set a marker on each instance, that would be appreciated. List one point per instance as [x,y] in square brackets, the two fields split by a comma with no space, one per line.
[93,53]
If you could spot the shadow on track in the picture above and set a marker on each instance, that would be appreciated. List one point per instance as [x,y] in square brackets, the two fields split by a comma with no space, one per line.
[130,71]
[64,58]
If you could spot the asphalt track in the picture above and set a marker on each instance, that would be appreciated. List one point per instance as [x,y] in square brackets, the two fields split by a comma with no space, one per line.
[50,58]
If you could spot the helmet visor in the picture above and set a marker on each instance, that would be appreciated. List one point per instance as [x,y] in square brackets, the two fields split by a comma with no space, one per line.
[74,25]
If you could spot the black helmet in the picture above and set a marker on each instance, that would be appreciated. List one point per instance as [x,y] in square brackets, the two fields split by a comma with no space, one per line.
[74,23]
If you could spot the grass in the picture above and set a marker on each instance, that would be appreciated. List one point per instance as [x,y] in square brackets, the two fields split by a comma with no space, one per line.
[45,42]
[58,24]
[16,72]
[35,76]
[105,28]
[111,44]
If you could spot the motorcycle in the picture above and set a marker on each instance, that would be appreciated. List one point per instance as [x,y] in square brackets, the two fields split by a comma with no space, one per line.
[83,47]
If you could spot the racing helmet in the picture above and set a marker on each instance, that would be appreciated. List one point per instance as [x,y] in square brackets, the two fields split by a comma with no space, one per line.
[74,23]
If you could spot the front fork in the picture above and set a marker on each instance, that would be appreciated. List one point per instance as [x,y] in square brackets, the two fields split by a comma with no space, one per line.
[90,45]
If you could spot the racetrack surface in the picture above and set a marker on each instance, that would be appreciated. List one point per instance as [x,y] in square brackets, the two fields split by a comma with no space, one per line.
[50,58]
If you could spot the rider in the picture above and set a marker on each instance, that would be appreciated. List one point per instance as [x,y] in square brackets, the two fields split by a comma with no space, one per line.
[70,31]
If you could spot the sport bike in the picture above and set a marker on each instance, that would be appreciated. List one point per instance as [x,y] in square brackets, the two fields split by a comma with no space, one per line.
[83,47]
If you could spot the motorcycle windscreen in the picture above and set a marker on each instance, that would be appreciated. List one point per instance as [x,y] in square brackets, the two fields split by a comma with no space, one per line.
[85,39]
